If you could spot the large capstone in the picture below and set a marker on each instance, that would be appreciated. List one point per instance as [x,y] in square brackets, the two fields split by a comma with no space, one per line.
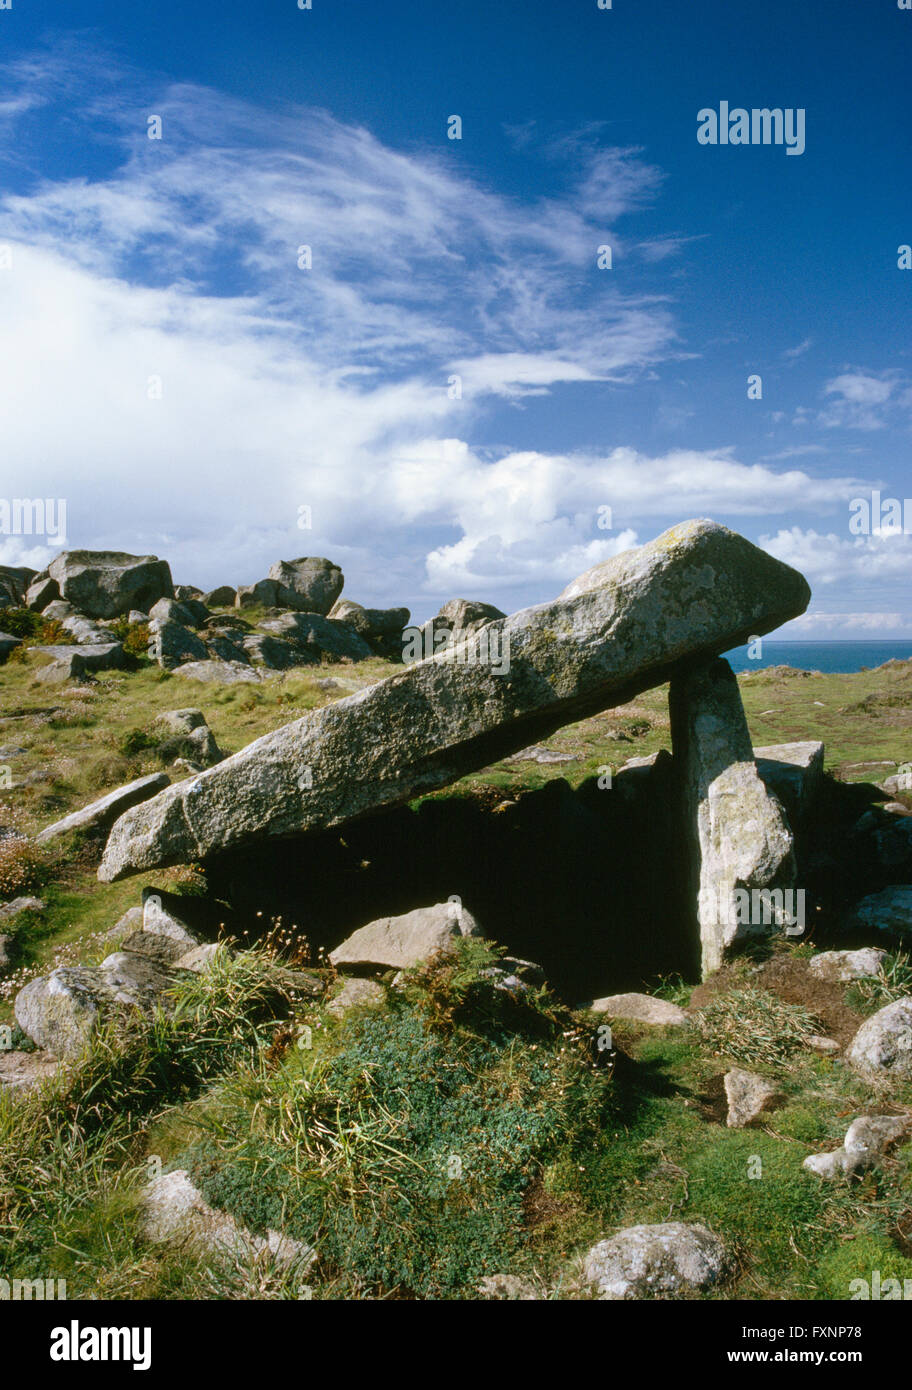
[621,628]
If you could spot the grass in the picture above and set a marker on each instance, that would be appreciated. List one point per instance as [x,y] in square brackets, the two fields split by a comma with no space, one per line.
[893,981]
[755,1027]
[350,1144]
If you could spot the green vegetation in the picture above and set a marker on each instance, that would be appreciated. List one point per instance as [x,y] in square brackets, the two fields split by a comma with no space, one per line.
[455,1130]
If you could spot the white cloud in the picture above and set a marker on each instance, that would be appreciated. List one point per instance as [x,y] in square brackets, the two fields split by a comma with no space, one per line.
[849,626]
[328,387]
[859,400]
[831,558]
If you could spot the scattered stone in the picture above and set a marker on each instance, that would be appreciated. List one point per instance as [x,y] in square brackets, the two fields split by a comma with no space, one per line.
[102,813]
[172,644]
[160,920]
[59,609]
[200,959]
[222,597]
[17,905]
[537,754]
[887,911]
[458,618]
[619,629]
[185,592]
[166,950]
[275,654]
[8,644]
[866,1141]
[899,781]
[310,585]
[381,628]
[739,834]
[748,1096]
[75,663]
[169,610]
[132,920]
[839,967]
[191,737]
[87,633]
[355,992]
[817,1043]
[59,1011]
[175,1212]
[882,1047]
[220,672]
[107,583]
[664,1260]
[396,943]
[21,1071]
[640,1008]
[793,772]
[225,648]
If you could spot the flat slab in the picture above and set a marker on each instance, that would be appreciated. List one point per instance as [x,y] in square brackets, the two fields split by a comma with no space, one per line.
[106,809]
[623,627]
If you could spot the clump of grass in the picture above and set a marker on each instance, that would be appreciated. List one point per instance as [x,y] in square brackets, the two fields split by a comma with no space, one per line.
[893,981]
[753,1026]
[58,1144]
[136,741]
[403,1145]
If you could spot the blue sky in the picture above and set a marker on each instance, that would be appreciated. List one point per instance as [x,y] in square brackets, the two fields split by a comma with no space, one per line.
[140,264]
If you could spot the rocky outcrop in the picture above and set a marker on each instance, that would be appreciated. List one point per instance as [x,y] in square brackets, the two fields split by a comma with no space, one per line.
[667,1261]
[107,583]
[75,663]
[381,628]
[310,584]
[14,583]
[222,597]
[740,840]
[623,627]
[40,593]
[172,644]
[100,814]
[314,635]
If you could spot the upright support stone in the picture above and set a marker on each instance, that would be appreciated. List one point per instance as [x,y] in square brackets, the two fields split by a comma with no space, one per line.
[739,839]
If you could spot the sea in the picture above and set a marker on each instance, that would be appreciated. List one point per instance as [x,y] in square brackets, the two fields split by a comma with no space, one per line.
[829,657]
